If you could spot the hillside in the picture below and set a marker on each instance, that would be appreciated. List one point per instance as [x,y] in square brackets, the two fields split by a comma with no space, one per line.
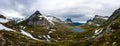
[38,29]
[107,34]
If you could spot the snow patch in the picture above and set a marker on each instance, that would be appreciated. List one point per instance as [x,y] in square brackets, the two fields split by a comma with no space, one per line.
[3,20]
[23,27]
[46,38]
[39,36]
[53,19]
[5,28]
[40,17]
[49,20]
[20,20]
[98,31]
[89,23]
[50,32]
[59,38]
[28,34]
[97,25]
[114,43]
[105,18]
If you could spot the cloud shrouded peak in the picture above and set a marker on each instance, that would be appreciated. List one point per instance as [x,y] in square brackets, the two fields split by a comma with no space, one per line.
[78,10]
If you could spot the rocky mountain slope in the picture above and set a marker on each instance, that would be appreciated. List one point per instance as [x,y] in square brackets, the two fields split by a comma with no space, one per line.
[37,19]
[108,33]
[98,20]
[111,30]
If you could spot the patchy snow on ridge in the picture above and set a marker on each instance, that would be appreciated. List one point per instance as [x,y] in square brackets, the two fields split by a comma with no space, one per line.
[2,27]
[20,20]
[46,38]
[52,18]
[105,18]
[28,34]
[98,31]
[40,17]
[50,32]
[49,20]
[22,27]
[3,20]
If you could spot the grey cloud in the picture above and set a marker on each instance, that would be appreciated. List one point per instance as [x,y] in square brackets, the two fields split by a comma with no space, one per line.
[79,10]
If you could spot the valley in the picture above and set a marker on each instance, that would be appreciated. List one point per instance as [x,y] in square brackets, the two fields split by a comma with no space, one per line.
[41,30]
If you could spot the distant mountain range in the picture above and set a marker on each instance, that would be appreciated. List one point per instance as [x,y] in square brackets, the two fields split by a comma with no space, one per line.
[69,21]
[77,24]
[37,27]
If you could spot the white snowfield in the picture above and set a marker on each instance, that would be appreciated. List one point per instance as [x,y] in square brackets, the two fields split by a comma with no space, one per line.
[28,34]
[2,27]
[105,18]
[49,20]
[3,20]
[102,18]
[20,20]
[52,19]
[23,32]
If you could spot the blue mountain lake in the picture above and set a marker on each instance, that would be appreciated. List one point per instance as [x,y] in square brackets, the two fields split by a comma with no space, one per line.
[77,29]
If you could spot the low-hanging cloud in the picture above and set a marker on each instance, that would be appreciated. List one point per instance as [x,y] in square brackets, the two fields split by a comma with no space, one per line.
[79,10]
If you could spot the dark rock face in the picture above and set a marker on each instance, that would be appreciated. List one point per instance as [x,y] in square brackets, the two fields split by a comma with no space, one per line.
[1,16]
[68,20]
[90,20]
[37,19]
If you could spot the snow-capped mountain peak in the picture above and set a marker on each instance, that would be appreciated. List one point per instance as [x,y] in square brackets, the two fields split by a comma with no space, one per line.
[38,19]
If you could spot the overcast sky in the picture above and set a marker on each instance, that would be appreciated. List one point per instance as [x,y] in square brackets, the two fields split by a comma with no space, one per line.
[78,10]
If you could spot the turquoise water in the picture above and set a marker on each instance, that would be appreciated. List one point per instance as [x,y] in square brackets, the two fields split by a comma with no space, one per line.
[77,30]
